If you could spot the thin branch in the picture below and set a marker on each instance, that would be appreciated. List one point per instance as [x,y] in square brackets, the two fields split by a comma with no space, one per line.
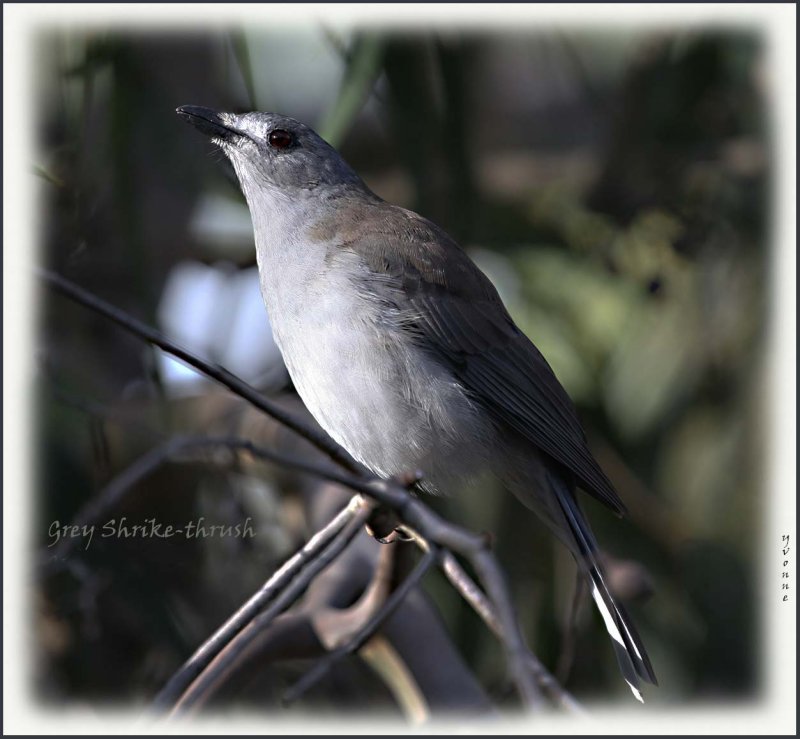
[363,634]
[435,530]
[334,626]
[466,586]
[262,597]
[228,657]
[320,440]
[391,667]
[499,617]
[517,653]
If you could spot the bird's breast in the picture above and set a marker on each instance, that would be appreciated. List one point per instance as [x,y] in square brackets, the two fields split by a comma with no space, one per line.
[393,407]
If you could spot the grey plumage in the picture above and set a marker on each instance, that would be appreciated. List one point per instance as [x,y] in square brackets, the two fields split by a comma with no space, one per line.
[401,347]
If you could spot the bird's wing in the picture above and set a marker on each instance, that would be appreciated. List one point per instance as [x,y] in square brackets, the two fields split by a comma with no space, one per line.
[438,295]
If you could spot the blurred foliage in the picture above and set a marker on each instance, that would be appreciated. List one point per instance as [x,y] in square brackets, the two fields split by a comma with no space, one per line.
[615,188]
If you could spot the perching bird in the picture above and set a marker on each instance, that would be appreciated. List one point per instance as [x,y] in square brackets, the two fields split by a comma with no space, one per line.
[401,348]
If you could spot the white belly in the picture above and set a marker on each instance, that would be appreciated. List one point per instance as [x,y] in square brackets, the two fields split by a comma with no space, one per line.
[392,407]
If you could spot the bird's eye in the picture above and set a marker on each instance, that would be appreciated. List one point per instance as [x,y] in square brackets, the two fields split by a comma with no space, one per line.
[280,139]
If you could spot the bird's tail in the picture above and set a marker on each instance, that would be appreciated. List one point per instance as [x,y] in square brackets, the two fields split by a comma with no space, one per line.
[631,655]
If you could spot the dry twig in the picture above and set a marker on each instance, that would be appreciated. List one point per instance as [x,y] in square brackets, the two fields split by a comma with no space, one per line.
[356,510]
[366,631]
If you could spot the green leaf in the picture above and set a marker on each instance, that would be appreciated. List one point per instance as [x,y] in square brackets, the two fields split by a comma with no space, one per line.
[364,65]
[241,53]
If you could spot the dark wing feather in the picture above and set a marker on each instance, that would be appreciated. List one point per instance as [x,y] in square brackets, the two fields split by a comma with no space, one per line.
[446,303]
[500,366]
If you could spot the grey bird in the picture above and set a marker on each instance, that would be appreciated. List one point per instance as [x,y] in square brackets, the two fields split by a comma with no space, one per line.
[402,349]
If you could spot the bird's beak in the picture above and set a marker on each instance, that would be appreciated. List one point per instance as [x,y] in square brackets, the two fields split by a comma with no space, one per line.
[209,122]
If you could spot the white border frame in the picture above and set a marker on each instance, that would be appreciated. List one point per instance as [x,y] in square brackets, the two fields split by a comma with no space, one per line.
[775,713]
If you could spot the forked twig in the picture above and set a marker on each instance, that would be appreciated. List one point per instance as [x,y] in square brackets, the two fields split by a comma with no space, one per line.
[363,634]
[203,656]
[227,657]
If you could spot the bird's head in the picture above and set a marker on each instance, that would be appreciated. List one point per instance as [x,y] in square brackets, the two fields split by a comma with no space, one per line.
[272,152]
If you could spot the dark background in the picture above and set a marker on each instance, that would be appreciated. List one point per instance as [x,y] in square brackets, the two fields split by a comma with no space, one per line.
[613,185]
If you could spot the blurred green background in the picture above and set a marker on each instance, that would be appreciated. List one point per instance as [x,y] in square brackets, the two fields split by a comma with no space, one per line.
[614,187]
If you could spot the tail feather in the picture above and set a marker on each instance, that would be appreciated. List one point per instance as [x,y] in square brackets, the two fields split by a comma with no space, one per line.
[631,655]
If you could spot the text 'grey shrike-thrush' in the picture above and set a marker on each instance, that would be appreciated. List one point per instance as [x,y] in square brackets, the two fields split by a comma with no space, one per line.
[401,348]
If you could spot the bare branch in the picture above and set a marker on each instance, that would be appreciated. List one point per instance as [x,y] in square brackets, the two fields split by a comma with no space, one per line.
[365,632]
[334,626]
[413,654]
[382,657]
[231,652]
[466,586]
[180,681]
